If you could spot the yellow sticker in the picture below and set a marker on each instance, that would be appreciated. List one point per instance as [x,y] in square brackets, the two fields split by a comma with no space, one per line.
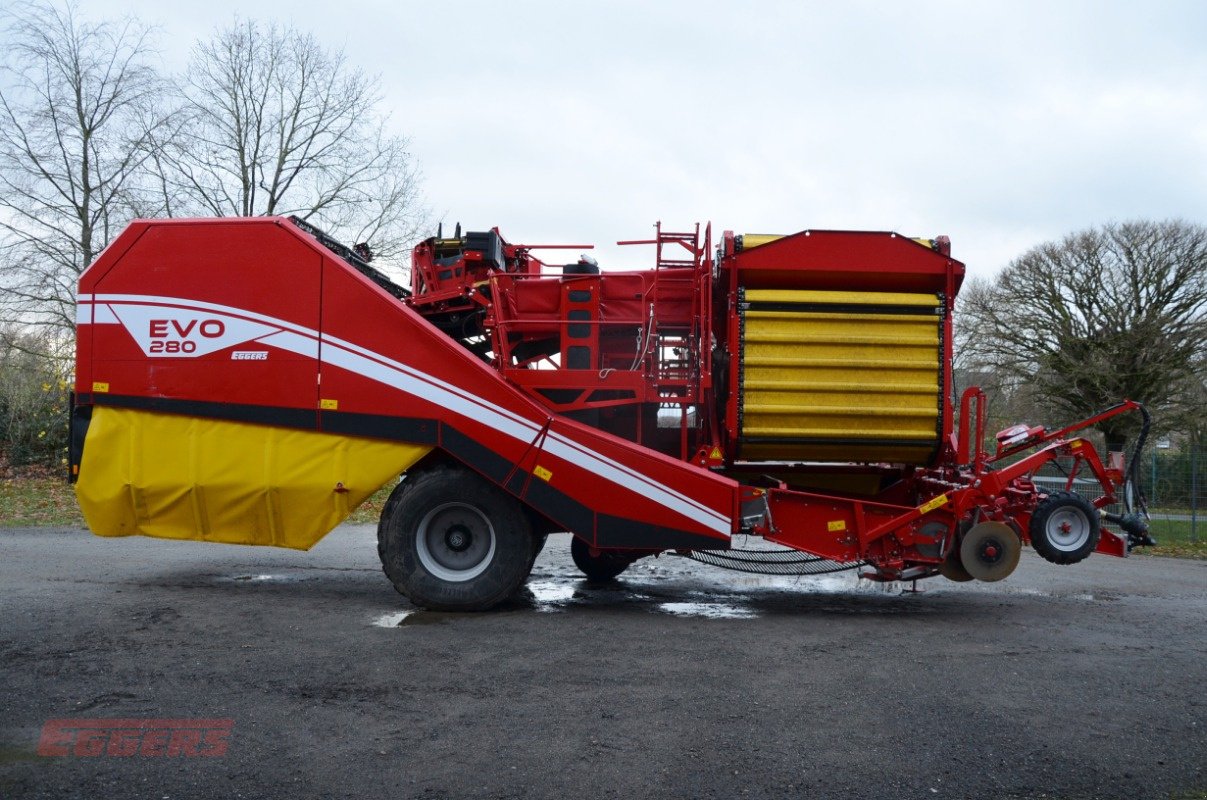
[100,387]
[1075,445]
[837,525]
[330,405]
[716,453]
[932,504]
[542,473]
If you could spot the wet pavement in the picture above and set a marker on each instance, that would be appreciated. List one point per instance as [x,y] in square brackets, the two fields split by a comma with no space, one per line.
[679,680]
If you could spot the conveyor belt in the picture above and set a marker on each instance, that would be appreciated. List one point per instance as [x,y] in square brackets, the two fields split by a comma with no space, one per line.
[840,376]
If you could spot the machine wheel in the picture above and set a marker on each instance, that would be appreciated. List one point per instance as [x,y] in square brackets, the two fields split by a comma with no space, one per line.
[450,541]
[990,551]
[603,567]
[1065,528]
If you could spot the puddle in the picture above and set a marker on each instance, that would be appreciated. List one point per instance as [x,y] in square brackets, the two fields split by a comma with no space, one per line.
[414,617]
[392,620]
[550,596]
[262,577]
[707,610]
[1059,594]
[681,588]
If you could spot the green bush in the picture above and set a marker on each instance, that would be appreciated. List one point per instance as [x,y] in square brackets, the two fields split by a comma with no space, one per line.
[34,398]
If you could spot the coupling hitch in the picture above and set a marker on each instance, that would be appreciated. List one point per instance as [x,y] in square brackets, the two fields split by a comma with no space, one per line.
[1135,526]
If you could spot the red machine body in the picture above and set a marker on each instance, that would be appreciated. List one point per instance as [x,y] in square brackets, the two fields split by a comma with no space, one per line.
[642,410]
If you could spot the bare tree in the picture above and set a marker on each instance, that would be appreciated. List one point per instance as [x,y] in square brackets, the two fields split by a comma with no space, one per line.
[79,106]
[1104,314]
[280,125]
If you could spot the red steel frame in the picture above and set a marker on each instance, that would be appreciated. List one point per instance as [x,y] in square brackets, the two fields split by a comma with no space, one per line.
[477,363]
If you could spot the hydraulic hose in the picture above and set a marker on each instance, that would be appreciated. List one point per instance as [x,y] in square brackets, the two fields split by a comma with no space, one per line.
[1131,487]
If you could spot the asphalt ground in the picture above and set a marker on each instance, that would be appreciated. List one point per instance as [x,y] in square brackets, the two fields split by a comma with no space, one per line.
[680,680]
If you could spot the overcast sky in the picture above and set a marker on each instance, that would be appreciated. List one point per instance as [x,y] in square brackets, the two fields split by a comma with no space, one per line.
[1000,124]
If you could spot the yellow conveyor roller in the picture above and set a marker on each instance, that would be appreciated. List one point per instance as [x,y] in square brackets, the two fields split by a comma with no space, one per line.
[840,376]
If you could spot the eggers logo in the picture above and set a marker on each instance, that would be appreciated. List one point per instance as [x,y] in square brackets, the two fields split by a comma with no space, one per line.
[165,332]
[172,336]
[122,738]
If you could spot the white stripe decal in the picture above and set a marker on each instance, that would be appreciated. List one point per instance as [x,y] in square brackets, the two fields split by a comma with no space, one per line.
[423,376]
[633,474]
[361,361]
[438,395]
[519,428]
[293,342]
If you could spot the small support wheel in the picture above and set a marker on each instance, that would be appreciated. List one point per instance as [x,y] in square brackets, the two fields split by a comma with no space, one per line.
[450,541]
[603,567]
[1065,528]
[990,551]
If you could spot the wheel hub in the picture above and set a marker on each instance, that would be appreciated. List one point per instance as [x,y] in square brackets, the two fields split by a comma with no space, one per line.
[458,539]
[455,542]
[1068,528]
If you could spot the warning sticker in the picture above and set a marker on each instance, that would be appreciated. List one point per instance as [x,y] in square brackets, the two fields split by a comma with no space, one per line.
[932,504]
[837,525]
[542,473]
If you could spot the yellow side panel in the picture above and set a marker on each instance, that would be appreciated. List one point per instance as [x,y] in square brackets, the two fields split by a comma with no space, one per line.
[177,477]
[827,378]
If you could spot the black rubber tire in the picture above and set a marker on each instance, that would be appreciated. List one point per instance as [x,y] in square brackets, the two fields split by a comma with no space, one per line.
[604,567]
[421,505]
[1054,526]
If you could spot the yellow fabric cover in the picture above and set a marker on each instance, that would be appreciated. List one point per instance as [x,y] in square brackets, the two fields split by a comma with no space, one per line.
[178,477]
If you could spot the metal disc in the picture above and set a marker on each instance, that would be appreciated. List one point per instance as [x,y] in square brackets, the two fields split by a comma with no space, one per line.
[990,551]
[953,570]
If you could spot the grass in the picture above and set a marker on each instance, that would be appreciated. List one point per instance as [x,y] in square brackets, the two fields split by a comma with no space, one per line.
[1173,538]
[370,510]
[38,499]
[41,499]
